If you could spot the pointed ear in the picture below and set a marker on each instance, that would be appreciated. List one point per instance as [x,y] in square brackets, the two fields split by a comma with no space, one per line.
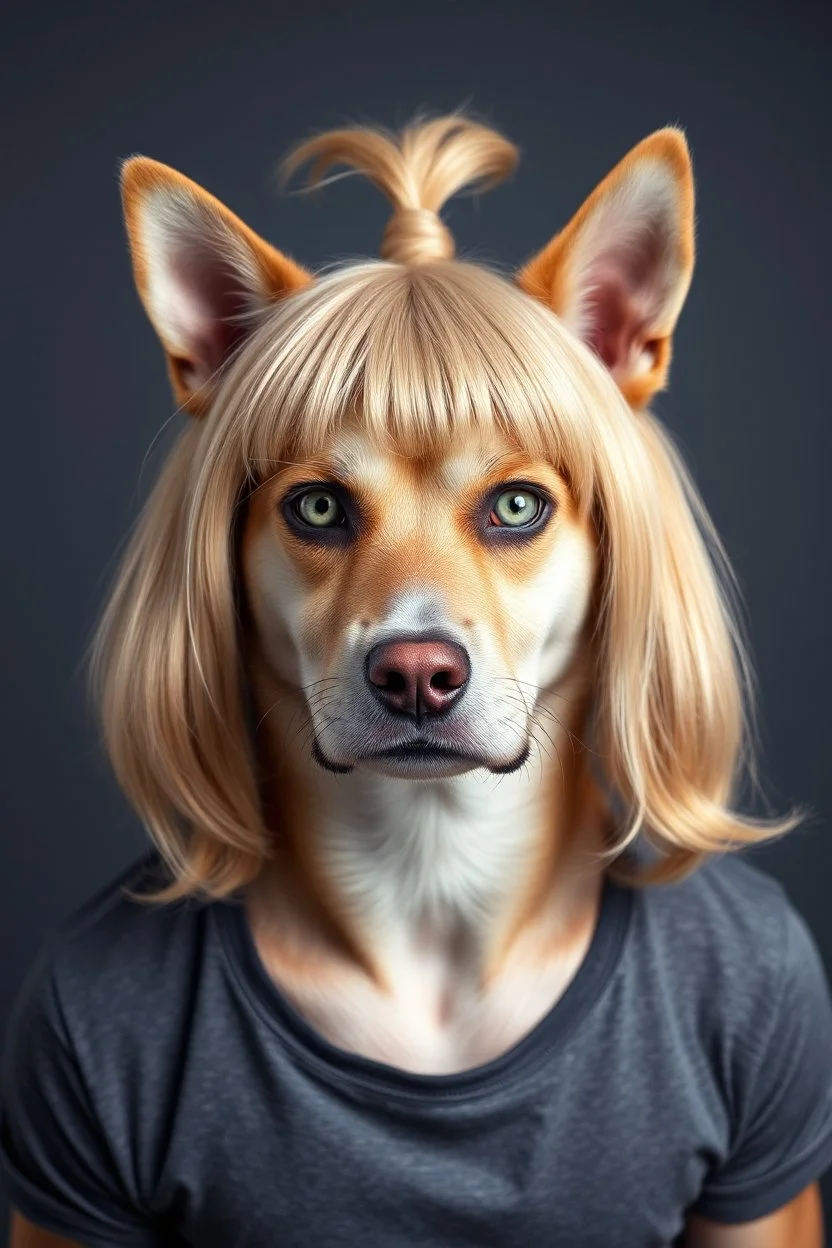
[202,274]
[619,272]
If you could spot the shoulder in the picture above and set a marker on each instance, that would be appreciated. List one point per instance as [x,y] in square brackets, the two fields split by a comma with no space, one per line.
[97,1020]
[729,917]
[110,963]
[731,952]
[741,987]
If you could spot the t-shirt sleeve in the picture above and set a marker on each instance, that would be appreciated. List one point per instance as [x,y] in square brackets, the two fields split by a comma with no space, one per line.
[55,1162]
[782,1140]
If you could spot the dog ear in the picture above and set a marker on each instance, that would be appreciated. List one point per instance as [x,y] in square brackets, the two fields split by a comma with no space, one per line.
[619,272]
[201,273]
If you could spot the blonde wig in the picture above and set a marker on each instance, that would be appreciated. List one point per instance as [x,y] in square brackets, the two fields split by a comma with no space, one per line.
[419,346]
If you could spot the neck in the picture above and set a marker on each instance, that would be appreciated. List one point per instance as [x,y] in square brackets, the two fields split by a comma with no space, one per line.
[478,872]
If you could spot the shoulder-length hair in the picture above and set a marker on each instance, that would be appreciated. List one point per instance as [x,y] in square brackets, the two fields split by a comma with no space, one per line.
[419,353]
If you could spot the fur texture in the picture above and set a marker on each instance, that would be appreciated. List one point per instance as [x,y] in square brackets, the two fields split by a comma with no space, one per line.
[399,858]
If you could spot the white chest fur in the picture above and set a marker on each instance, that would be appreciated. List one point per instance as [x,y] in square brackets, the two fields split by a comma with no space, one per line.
[435,1022]
[424,882]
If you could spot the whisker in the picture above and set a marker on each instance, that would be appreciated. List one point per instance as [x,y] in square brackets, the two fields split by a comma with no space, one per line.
[538,689]
[554,747]
[292,692]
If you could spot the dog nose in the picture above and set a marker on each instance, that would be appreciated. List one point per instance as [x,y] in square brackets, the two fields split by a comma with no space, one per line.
[418,677]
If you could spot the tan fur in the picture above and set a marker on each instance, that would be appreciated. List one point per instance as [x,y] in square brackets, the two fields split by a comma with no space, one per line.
[548,275]
[141,178]
[429,921]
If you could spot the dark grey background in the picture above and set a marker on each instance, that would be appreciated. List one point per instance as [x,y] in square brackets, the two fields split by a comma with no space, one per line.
[220,91]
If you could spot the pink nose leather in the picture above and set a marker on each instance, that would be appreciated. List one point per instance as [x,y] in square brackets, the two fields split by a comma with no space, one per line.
[418,677]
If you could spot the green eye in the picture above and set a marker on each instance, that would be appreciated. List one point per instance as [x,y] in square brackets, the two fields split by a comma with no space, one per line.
[516,508]
[320,509]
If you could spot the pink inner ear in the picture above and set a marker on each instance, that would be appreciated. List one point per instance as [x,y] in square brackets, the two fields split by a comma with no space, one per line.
[623,298]
[211,297]
[624,286]
[614,323]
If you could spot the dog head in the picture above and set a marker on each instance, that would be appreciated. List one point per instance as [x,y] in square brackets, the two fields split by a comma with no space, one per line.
[421,554]
[421,504]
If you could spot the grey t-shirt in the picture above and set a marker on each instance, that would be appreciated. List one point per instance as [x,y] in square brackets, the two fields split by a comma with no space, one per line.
[159,1089]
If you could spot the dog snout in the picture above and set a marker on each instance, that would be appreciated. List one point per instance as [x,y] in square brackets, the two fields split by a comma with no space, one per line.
[418,677]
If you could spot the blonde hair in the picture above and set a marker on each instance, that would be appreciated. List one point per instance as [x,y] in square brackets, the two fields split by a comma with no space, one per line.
[422,346]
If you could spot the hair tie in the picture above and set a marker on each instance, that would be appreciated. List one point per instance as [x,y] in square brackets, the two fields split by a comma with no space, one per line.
[416,236]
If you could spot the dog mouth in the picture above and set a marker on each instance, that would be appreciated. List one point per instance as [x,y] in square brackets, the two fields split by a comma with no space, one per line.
[420,749]
[420,756]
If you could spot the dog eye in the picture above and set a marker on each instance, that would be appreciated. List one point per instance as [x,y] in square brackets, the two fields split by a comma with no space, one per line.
[516,508]
[319,508]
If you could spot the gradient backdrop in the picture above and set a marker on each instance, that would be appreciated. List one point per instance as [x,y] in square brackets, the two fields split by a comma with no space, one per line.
[220,90]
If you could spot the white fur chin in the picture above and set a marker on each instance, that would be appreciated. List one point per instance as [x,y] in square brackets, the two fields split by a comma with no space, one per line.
[417,769]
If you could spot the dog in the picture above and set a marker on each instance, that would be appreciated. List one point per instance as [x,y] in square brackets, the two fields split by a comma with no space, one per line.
[425,622]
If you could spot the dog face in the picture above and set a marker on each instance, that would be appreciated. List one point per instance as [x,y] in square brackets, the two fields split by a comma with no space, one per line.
[420,605]
[392,597]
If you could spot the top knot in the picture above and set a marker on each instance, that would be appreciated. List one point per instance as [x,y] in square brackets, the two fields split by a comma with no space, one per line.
[416,236]
[418,170]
